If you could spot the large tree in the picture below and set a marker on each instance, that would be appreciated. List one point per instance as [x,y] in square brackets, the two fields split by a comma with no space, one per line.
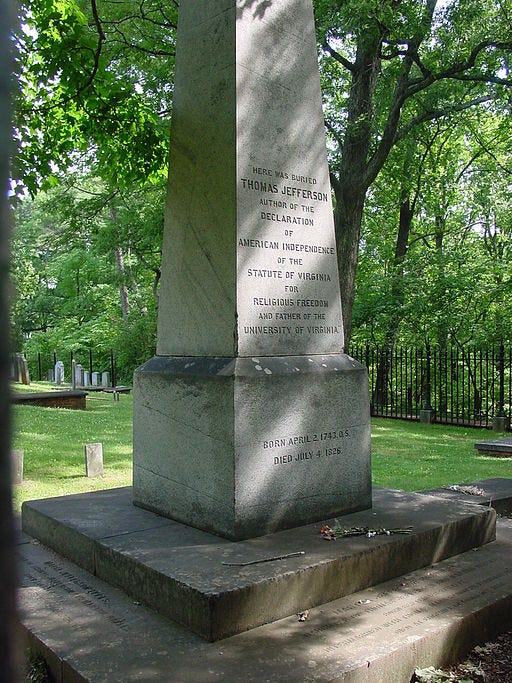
[96,86]
[390,66]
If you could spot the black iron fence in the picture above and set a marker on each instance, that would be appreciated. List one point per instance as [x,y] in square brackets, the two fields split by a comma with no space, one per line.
[462,386]
[41,365]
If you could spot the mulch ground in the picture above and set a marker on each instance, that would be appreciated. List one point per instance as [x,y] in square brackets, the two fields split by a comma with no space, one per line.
[489,663]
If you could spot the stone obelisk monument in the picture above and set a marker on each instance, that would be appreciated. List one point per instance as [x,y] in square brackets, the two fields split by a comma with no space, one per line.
[250,418]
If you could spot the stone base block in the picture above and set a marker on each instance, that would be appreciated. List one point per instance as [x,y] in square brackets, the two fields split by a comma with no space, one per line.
[427,416]
[90,631]
[217,587]
[243,447]
[497,448]
[500,423]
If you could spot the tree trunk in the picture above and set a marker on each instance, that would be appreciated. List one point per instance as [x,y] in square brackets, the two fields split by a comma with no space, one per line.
[121,273]
[8,652]
[123,290]
[351,184]
[397,296]
[348,216]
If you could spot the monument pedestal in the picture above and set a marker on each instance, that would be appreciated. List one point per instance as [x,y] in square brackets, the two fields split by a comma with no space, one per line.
[243,447]
[217,587]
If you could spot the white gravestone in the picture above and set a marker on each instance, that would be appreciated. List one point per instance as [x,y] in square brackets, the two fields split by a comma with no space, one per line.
[93,459]
[59,372]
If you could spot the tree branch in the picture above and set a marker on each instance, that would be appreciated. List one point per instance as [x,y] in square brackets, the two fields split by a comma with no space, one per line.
[435,114]
[339,58]
[456,71]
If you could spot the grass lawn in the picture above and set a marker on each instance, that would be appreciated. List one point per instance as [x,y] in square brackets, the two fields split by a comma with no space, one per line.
[413,456]
[53,443]
[405,455]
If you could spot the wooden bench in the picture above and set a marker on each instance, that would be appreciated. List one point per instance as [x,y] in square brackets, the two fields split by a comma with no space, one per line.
[498,448]
[75,400]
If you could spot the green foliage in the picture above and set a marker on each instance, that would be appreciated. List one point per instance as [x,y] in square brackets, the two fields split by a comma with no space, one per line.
[93,105]
[36,670]
[68,277]
[454,281]
[135,344]
[88,85]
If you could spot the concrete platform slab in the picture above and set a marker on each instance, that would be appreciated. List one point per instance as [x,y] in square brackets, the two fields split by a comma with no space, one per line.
[90,631]
[217,587]
[496,493]
[498,448]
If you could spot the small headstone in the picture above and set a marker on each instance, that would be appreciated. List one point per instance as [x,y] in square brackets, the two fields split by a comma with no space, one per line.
[95,379]
[86,378]
[22,369]
[17,368]
[51,375]
[94,459]
[500,423]
[59,372]
[73,374]
[79,375]
[17,466]
[427,416]
[105,379]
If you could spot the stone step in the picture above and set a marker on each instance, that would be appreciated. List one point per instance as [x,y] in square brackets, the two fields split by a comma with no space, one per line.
[496,493]
[89,631]
[217,588]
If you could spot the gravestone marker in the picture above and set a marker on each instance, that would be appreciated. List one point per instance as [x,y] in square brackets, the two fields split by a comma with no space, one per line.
[95,379]
[17,466]
[250,418]
[93,459]
[22,374]
[105,379]
[79,375]
[59,372]
[86,378]
[51,375]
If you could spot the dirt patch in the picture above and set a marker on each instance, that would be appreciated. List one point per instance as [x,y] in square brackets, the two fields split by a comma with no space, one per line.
[489,663]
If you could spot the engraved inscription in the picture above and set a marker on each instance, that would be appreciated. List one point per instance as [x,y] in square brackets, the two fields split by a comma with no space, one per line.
[315,445]
[287,258]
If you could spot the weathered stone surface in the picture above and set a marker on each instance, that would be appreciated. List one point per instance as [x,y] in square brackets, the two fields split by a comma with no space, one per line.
[189,575]
[93,459]
[17,466]
[250,235]
[496,493]
[499,448]
[243,447]
[250,419]
[90,631]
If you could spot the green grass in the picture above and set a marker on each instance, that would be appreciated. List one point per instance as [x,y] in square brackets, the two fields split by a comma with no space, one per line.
[413,456]
[53,443]
[405,455]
